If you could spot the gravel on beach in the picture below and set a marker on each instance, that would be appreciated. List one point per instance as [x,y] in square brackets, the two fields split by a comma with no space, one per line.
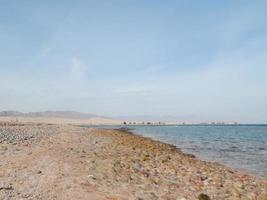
[14,133]
[45,161]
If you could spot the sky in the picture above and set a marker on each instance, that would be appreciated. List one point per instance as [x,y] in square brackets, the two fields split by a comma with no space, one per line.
[196,60]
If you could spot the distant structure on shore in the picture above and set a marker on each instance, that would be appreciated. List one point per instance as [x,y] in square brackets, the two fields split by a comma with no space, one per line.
[179,123]
[144,123]
[209,123]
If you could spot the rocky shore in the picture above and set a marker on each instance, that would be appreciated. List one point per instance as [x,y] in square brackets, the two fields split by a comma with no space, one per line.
[46,161]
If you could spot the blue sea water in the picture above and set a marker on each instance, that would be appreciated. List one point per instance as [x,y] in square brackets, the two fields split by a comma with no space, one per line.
[239,146]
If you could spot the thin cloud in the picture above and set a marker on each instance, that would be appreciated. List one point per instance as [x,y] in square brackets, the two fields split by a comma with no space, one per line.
[43,53]
[77,69]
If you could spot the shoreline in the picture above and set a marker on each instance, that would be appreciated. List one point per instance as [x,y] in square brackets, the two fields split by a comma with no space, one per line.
[238,169]
[70,162]
[175,148]
[214,169]
[179,150]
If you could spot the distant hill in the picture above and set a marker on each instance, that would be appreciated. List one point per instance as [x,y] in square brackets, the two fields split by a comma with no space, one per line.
[11,113]
[48,114]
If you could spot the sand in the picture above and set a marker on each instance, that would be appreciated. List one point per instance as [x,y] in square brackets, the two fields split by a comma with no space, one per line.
[60,161]
[54,120]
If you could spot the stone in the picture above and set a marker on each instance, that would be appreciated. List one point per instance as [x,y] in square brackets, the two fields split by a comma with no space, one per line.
[203,197]
[92,177]
[263,196]
[6,188]
[154,196]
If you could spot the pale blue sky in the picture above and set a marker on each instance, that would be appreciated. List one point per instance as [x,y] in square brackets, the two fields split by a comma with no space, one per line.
[200,59]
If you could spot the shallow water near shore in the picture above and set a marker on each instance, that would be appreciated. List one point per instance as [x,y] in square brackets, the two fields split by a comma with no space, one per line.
[240,146]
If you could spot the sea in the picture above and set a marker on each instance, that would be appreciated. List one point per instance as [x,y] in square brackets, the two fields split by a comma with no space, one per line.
[242,147]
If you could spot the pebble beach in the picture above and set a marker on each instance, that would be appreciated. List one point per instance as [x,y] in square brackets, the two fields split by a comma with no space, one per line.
[49,161]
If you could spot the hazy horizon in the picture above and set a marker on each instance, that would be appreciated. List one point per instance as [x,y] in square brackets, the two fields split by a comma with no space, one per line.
[204,60]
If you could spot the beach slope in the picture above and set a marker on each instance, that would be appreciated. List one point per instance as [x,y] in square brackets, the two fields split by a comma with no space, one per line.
[46,161]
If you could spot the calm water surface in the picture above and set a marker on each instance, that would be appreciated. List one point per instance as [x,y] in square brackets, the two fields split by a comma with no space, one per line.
[240,146]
